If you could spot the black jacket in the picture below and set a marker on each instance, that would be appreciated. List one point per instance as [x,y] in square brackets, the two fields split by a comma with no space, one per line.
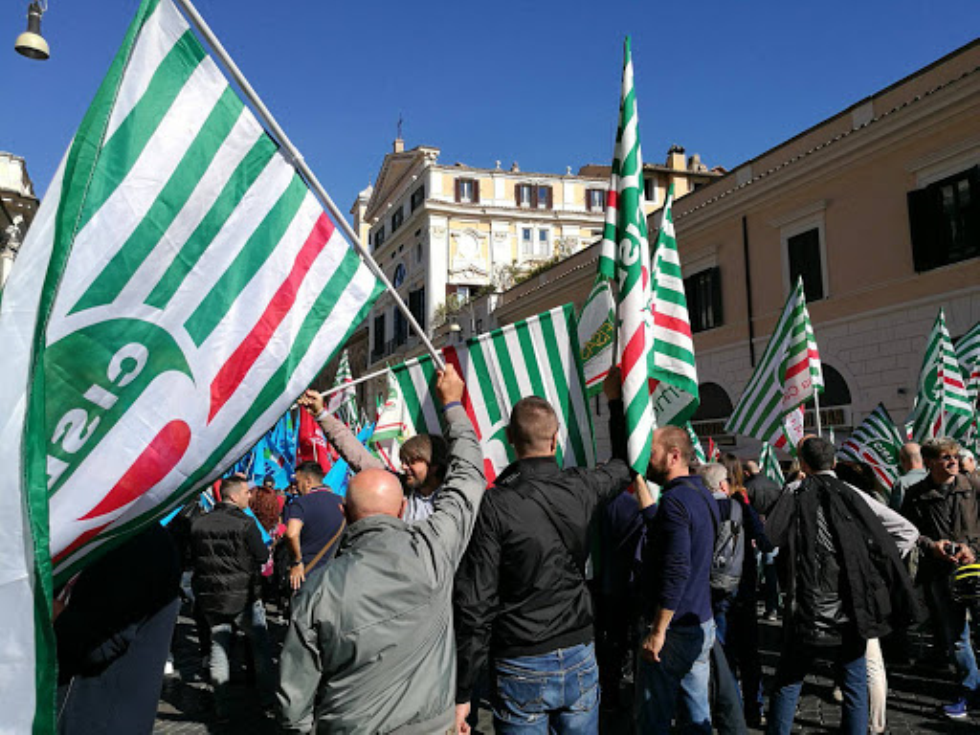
[228,552]
[763,493]
[875,591]
[521,584]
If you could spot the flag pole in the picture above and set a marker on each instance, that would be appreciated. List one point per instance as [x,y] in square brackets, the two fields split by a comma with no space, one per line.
[345,386]
[816,409]
[300,163]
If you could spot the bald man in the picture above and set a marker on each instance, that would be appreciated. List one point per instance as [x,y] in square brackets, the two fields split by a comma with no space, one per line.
[371,637]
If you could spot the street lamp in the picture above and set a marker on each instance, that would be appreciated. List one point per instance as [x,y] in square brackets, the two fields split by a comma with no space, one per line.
[31,43]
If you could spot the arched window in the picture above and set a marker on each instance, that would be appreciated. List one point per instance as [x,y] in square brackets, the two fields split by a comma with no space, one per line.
[715,403]
[836,392]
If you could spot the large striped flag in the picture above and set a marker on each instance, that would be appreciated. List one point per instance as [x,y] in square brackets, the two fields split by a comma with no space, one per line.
[968,355]
[394,425]
[876,442]
[537,356]
[179,288]
[769,464]
[625,256]
[676,397]
[942,403]
[596,334]
[788,374]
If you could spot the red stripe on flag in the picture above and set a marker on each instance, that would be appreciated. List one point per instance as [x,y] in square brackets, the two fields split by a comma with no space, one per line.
[672,323]
[633,352]
[77,543]
[452,358]
[612,199]
[797,368]
[155,462]
[233,372]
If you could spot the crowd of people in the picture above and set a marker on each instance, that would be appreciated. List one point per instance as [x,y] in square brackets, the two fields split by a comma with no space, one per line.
[419,595]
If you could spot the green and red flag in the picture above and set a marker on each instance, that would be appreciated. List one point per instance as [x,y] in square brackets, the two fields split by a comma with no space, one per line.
[876,442]
[343,403]
[942,402]
[788,374]
[675,397]
[696,443]
[625,257]
[537,356]
[179,288]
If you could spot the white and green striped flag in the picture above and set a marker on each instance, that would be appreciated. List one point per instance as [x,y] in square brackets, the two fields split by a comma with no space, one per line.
[876,442]
[537,356]
[968,355]
[786,377]
[942,403]
[179,288]
[676,396]
[596,334]
[696,443]
[770,465]
[343,403]
[625,256]
[394,425]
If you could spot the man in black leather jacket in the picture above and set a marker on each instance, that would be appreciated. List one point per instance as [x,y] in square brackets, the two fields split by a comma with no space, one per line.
[227,552]
[521,591]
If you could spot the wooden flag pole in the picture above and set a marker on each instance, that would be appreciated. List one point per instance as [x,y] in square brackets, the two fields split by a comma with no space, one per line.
[297,159]
[816,409]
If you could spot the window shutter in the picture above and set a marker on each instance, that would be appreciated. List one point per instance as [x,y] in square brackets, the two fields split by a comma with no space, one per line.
[716,297]
[458,187]
[517,195]
[476,191]
[550,205]
[534,197]
[924,226]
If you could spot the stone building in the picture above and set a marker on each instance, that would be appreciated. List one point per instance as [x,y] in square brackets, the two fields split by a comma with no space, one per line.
[18,205]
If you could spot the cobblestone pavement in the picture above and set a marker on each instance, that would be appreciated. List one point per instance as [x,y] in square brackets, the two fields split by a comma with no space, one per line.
[915,694]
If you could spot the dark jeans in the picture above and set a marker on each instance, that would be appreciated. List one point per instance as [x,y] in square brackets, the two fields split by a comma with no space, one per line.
[683,670]
[953,629]
[726,709]
[615,621]
[742,650]
[555,692]
[794,664]
[252,621]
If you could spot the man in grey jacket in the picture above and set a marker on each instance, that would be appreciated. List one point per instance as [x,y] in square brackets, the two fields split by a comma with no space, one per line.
[373,630]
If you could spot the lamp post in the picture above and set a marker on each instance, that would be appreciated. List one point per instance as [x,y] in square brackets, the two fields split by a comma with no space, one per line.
[31,43]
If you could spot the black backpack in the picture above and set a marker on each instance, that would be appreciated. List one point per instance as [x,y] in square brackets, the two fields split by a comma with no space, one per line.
[729,554]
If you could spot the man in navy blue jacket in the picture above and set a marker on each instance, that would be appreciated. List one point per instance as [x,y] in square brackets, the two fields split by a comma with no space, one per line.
[677,565]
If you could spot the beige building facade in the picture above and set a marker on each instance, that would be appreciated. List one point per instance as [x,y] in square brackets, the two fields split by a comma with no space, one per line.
[18,205]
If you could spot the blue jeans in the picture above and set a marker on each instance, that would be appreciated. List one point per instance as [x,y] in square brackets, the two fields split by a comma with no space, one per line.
[794,664]
[553,692]
[954,630]
[252,621]
[684,668]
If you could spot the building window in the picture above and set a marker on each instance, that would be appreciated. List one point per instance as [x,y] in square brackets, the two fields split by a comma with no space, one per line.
[542,197]
[944,220]
[467,191]
[803,251]
[379,335]
[595,199]
[703,291]
[416,305]
[418,253]
[544,243]
[650,190]
[401,327]
[379,237]
[418,196]
[524,194]
[397,218]
[527,241]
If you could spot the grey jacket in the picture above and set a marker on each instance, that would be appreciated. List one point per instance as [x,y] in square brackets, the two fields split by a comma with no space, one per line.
[373,630]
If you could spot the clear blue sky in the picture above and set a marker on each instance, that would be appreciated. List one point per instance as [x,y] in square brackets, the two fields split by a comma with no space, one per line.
[535,82]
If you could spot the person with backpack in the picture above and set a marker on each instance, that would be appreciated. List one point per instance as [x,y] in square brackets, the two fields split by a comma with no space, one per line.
[733,581]
[845,585]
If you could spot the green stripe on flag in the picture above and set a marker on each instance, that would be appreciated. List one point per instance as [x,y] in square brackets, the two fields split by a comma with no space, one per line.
[482,371]
[126,145]
[171,200]
[249,260]
[564,390]
[237,187]
[502,354]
